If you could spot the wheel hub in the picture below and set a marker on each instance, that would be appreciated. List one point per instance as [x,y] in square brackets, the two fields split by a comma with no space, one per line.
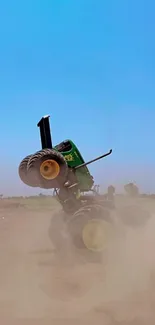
[49,169]
[94,235]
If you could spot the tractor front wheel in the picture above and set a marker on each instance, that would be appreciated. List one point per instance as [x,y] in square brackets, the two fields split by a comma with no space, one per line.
[49,167]
[24,174]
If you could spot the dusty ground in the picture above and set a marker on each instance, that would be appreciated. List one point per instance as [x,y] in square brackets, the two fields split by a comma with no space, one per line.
[35,288]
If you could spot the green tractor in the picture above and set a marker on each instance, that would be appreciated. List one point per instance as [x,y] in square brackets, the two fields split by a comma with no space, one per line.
[62,168]
[90,219]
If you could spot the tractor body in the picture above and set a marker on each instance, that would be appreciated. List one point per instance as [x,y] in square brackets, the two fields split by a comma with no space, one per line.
[74,159]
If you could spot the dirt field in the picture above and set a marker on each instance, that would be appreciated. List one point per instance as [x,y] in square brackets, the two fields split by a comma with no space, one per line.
[38,288]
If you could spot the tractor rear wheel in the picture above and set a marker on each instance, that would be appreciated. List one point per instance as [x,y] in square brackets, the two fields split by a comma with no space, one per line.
[49,167]
[23,173]
[90,229]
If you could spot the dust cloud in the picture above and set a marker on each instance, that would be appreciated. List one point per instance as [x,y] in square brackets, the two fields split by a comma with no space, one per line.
[41,282]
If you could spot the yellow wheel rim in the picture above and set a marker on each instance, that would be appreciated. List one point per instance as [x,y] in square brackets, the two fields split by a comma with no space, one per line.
[49,169]
[94,235]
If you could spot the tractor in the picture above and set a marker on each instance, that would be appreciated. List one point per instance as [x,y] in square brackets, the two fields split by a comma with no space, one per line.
[89,218]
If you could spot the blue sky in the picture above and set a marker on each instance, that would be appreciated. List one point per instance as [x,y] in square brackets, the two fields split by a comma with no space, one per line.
[91,66]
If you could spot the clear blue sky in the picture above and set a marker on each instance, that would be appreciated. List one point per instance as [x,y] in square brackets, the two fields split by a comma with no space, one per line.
[91,66]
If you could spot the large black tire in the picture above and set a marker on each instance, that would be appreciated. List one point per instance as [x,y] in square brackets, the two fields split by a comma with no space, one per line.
[25,177]
[59,237]
[79,220]
[35,162]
